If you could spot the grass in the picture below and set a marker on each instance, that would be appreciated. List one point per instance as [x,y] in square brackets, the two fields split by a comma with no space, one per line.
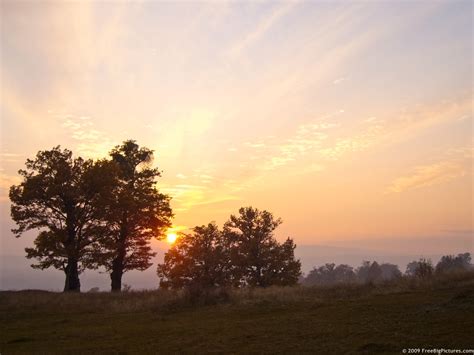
[334,320]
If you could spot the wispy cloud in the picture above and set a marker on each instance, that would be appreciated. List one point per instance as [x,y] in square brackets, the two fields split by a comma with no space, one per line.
[90,142]
[356,143]
[314,144]
[206,178]
[428,175]
[5,182]
[339,80]
[187,196]
[395,127]
[263,27]
[10,157]
[254,145]
[307,139]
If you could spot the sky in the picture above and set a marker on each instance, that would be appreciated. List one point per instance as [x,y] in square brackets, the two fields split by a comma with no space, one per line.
[352,121]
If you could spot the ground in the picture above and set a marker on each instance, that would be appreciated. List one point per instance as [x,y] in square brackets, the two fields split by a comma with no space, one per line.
[338,321]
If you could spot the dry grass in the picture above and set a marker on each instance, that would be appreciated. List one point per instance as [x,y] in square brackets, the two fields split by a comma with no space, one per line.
[105,302]
[350,319]
[170,300]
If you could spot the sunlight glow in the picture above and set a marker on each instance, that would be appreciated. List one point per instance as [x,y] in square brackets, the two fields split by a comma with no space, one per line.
[171,238]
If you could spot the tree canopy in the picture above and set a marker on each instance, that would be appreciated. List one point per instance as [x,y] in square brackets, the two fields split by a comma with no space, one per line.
[91,213]
[135,213]
[244,253]
[58,197]
[258,259]
[197,258]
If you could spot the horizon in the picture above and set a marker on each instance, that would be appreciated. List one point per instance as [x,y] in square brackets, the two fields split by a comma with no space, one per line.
[350,121]
[15,272]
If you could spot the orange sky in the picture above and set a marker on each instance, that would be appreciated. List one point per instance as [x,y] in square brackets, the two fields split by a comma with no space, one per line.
[348,120]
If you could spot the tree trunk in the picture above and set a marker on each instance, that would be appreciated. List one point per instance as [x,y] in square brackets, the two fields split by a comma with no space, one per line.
[117,270]
[116,276]
[118,262]
[72,284]
[259,278]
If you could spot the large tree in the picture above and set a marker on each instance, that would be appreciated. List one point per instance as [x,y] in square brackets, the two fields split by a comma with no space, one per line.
[257,258]
[196,259]
[58,197]
[137,213]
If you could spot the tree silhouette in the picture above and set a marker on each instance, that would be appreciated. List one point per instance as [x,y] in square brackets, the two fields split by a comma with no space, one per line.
[197,259]
[422,269]
[369,272]
[451,263]
[257,258]
[330,274]
[135,214]
[58,197]
[390,271]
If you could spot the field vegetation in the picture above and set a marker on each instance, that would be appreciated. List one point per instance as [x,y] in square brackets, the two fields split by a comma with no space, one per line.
[345,318]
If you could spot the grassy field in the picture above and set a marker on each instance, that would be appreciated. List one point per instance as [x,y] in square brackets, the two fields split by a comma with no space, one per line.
[347,319]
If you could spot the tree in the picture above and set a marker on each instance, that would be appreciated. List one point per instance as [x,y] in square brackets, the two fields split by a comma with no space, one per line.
[197,259]
[283,269]
[390,271]
[344,274]
[422,269]
[369,272]
[330,274]
[257,258]
[451,263]
[58,198]
[323,275]
[135,214]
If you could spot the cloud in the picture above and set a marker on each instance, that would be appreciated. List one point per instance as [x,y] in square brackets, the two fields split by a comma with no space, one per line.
[207,179]
[186,196]
[428,175]
[370,119]
[199,192]
[398,126]
[10,157]
[90,142]
[314,143]
[275,152]
[263,27]
[307,139]
[357,143]
[254,145]
[339,80]
[5,182]
[8,180]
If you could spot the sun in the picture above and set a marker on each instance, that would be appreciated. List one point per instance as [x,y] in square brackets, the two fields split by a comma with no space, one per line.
[171,237]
